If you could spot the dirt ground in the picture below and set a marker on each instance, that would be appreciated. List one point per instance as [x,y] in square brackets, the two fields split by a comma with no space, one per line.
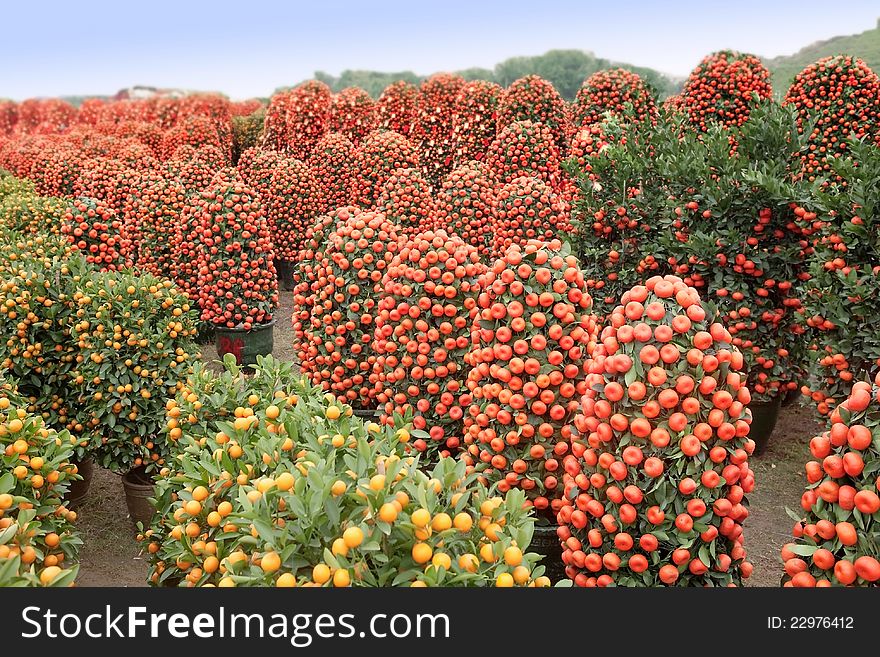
[779,483]
[111,556]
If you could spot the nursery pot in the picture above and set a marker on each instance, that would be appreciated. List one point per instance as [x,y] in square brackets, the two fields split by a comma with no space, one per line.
[205,333]
[243,344]
[285,270]
[764,416]
[368,414]
[546,543]
[78,489]
[791,397]
[139,487]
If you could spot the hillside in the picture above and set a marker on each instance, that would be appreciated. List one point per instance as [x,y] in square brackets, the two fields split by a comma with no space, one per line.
[865,45]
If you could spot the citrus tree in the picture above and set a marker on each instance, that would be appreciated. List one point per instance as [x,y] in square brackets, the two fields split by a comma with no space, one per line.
[841,296]
[134,337]
[279,485]
[38,545]
[837,537]
[654,489]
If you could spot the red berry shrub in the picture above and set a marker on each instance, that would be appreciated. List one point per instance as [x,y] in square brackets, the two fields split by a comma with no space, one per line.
[237,281]
[56,169]
[611,91]
[156,211]
[724,88]
[149,134]
[353,114]
[526,209]
[135,155]
[342,319]
[293,200]
[465,205]
[655,486]
[245,107]
[90,111]
[527,369]
[835,98]
[298,118]
[105,179]
[275,124]
[836,540]
[407,201]
[96,230]
[534,99]
[309,282]
[194,175]
[257,167]
[380,154]
[524,148]
[433,130]
[29,115]
[188,255]
[46,116]
[163,111]
[8,117]
[674,104]
[474,119]
[397,107]
[586,143]
[192,131]
[422,333]
[215,108]
[333,163]
[18,156]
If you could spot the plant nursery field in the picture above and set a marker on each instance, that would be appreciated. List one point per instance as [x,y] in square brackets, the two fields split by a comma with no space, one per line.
[456,334]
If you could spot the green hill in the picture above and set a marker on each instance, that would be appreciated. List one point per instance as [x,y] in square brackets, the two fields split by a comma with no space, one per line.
[865,45]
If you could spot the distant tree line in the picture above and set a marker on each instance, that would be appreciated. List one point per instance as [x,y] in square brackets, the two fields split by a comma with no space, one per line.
[566,69]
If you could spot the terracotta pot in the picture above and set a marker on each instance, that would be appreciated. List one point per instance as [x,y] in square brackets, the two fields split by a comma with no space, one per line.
[139,487]
[79,489]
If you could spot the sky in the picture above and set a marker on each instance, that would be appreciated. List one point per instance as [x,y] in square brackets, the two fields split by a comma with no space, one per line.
[250,47]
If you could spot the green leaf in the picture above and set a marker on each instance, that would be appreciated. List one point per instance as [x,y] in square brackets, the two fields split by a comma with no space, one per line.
[804,550]
[794,516]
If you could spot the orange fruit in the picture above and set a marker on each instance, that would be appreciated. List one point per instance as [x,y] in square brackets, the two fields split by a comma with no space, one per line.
[421,553]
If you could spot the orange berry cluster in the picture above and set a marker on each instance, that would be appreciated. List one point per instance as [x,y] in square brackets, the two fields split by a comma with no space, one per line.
[423,330]
[528,368]
[836,541]
[654,489]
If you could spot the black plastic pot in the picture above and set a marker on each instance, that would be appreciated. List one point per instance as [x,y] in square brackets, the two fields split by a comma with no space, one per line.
[245,345]
[764,417]
[286,274]
[791,397]
[139,487]
[79,489]
[545,542]
[205,333]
